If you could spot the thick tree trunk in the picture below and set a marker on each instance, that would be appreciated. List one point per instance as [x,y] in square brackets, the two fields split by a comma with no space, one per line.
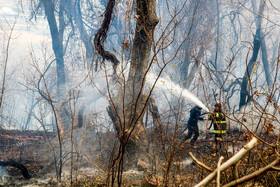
[253,61]
[266,66]
[247,75]
[155,113]
[134,100]
[127,107]
[130,103]
[184,74]
[86,38]
[194,68]
[218,34]
[194,49]
[57,32]
[57,46]
[144,34]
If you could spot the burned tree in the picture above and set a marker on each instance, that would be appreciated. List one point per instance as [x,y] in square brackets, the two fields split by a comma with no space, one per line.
[134,101]
[127,108]
[194,49]
[4,65]
[245,92]
[57,32]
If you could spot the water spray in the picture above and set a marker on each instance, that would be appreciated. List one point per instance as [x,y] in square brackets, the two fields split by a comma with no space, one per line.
[169,85]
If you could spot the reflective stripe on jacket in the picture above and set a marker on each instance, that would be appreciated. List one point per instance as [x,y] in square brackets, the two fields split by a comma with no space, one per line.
[219,121]
[219,131]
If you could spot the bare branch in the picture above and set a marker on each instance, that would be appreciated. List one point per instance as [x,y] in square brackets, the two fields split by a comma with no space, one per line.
[253,175]
[219,171]
[200,163]
[101,35]
[233,160]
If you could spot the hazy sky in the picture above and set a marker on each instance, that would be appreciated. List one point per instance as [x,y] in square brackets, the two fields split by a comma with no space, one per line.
[26,34]
[26,31]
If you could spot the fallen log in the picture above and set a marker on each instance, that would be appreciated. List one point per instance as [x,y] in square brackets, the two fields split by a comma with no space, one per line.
[18,165]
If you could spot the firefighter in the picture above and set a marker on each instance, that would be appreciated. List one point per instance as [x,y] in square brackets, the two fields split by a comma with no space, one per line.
[195,115]
[220,126]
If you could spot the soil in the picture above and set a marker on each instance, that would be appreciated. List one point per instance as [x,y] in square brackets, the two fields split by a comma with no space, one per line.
[35,152]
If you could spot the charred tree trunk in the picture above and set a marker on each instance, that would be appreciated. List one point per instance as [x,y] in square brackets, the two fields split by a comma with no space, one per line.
[86,38]
[218,34]
[266,66]
[155,113]
[87,41]
[194,49]
[127,108]
[57,39]
[194,68]
[184,72]
[266,63]
[244,93]
[134,99]
[57,32]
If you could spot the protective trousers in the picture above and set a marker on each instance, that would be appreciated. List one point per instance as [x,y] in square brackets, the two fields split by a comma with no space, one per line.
[193,129]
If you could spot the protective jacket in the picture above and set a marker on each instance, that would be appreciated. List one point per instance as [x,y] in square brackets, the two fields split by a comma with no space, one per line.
[195,115]
[219,120]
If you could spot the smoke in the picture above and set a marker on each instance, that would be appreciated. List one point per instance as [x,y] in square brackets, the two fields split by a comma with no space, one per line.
[3,172]
[255,119]
[176,89]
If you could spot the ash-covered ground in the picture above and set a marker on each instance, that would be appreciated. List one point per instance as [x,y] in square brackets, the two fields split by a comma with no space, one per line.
[89,167]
